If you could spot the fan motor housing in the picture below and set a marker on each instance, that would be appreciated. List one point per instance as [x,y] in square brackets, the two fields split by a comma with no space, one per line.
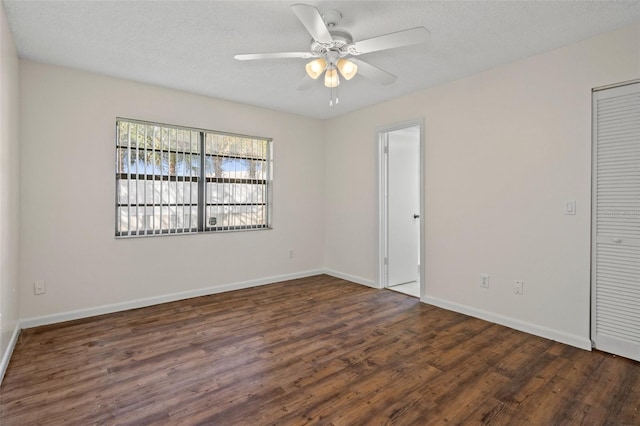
[341,39]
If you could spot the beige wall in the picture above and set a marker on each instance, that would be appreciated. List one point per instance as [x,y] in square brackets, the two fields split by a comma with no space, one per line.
[503,151]
[67,205]
[9,221]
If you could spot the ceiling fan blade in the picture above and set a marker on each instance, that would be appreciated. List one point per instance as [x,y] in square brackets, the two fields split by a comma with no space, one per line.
[390,41]
[313,22]
[373,73]
[306,83]
[279,55]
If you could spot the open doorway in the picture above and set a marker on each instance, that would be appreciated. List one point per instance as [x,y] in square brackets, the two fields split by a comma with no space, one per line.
[401,223]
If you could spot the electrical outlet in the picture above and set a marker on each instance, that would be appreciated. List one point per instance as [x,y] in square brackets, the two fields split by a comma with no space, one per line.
[570,207]
[290,253]
[518,287]
[39,287]
[484,280]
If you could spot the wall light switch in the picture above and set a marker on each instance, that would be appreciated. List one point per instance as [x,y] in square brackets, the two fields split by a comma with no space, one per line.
[39,287]
[570,207]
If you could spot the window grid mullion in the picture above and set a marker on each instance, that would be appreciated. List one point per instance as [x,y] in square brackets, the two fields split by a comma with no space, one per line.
[202,185]
[144,182]
[233,193]
[225,193]
[219,186]
[153,181]
[181,132]
[129,179]
[190,174]
[135,186]
[264,154]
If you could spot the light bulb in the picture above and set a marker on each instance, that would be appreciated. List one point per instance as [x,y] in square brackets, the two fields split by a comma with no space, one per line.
[314,68]
[331,78]
[347,68]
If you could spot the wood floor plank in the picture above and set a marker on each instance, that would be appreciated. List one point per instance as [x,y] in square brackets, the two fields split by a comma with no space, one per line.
[317,350]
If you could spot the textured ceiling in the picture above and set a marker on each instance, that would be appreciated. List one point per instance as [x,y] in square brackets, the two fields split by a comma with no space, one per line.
[189,45]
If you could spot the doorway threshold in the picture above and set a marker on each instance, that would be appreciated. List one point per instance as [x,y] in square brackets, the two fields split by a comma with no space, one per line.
[410,289]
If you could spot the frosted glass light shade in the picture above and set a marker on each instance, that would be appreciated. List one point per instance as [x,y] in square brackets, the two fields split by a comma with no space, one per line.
[331,78]
[314,68]
[347,68]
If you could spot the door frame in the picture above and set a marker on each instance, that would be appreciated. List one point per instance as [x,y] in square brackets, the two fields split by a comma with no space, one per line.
[383,217]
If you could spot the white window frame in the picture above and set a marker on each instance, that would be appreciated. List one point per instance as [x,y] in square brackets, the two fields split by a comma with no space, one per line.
[226,200]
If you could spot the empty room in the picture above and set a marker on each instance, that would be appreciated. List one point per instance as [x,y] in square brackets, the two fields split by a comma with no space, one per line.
[328,212]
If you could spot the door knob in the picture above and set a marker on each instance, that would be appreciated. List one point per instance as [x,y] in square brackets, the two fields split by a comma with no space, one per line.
[415,216]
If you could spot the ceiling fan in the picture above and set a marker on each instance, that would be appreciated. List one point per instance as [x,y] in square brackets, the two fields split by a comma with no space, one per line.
[333,50]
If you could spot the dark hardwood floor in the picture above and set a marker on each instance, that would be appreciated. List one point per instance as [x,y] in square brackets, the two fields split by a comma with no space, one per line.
[317,350]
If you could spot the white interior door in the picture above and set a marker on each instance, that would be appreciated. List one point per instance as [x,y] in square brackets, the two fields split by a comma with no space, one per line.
[403,205]
[615,272]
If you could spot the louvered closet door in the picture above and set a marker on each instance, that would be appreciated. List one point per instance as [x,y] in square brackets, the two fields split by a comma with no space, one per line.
[615,323]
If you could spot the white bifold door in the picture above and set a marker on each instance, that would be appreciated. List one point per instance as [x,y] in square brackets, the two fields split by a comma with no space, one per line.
[615,275]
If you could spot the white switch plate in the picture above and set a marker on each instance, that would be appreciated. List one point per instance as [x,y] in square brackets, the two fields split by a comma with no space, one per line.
[39,287]
[570,207]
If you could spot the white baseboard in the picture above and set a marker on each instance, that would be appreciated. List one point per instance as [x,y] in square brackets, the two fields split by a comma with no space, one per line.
[352,278]
[527,327]
[155,300]
[6,356]
[559,336]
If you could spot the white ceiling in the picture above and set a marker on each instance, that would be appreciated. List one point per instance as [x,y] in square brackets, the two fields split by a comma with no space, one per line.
[189,45]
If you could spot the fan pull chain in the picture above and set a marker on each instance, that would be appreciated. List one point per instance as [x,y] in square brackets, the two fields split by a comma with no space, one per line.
[333,97]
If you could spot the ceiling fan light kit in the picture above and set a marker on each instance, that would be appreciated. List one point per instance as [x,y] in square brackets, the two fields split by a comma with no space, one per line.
[334,50]
[347,68]
[315,68]
[331,78]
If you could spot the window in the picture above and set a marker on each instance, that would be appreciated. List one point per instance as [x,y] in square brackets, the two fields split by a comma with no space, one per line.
[176,180]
